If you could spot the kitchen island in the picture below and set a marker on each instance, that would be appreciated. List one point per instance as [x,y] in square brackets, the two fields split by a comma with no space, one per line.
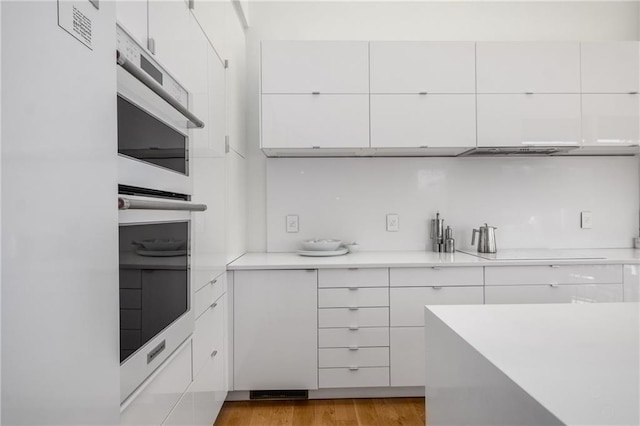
[562,364]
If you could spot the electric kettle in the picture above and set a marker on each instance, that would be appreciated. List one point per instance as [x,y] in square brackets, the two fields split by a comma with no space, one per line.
[486,239]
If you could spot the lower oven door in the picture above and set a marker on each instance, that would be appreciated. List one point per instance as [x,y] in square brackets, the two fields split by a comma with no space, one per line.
[155,291]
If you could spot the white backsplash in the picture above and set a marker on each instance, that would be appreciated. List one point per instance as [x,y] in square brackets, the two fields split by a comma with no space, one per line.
[534,202]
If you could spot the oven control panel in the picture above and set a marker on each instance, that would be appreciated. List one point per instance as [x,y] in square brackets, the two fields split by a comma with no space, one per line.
[132,51]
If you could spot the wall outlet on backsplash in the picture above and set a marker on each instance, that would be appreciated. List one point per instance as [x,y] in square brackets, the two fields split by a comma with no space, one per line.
[392,223]
[292,223]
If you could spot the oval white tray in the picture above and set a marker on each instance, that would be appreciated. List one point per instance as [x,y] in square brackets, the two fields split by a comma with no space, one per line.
[323,253]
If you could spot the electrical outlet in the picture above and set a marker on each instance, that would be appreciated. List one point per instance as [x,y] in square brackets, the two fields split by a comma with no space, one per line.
[292,223]
[392,223]
[586,220]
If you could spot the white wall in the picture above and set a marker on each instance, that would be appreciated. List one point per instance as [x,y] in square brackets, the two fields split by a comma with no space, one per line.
[412,21]
[534,203]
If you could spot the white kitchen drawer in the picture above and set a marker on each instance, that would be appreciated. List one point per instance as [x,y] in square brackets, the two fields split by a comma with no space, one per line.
[353,277]
[519,67]
[610,119]
[353,378]
[353,357]
[552,293]
[609,66]
[422,66]
[553,274]
[436,276]
[353,297]
[407,304]
[529,120]
[161,391]
[414,120]
[345,317]
[360,337]
[315,66]
[208,294]
[307,121]
[407,356]
[209,334]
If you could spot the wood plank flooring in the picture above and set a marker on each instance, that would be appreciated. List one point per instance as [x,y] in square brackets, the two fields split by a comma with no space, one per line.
[324,412]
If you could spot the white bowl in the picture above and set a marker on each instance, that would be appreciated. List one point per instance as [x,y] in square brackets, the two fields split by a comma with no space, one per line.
[321,245]
[353,248]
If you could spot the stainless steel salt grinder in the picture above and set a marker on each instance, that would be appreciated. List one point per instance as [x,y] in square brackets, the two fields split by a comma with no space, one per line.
[449,242]
[437,233]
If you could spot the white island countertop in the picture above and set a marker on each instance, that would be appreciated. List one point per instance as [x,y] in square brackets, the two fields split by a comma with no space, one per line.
[577,363]
[387,259]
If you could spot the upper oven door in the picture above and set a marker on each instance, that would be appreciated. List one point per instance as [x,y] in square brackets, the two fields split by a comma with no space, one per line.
[153,130]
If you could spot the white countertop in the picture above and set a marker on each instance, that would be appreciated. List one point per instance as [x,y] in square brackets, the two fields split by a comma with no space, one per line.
[579,361]
[385,259]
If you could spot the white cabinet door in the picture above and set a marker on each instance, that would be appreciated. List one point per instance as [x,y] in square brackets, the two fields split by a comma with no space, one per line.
[418,66]
[522,67]
[315,66]
[436,276]
[423,120]
[610,119]
[407,303]
[553,293]
[132,15]
[217,107]
[275,330]
[609,66]
[213,17]
[553,274]
[353,297]
[528,120]
[353,277]
[407,356]
[307,121]
[632,283]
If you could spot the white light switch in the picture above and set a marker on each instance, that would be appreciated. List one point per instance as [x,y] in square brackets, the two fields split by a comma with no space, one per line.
[586,220]
[392,223]
[292,223]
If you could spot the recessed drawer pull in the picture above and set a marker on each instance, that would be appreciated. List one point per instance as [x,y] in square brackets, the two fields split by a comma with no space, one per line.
[437,287]
[213,281]
[353,269]
[436,268]
[633,93]
[422,93]
[213,305]
[554,285]
[353,308]
[528,93]
[214,353]
[315,93]
[353,347]
[554,266]
[353,288]
[353,327]
[354,368]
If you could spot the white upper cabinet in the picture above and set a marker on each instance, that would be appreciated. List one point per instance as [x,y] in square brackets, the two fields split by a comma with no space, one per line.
[418,67]
[423,121]
[528,120]
[609,67]
[308,121]
[528,67]
[610,119]
[132,15]
[315,66]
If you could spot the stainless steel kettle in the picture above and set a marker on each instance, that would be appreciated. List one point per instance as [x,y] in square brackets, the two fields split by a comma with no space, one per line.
[486,239]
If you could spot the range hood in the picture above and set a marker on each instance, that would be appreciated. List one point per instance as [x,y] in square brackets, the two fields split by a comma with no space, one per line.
[525,151]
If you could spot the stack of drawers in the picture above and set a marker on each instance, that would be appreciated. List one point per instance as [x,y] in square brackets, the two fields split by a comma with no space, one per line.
[353,321]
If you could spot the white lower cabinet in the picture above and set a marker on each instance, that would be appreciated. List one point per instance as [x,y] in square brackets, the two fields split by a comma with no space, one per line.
[407,303]
[353,337]
[554,293]
[275,330]
[353,357]
[632,283]
[161,392]
[354,377]
[407,355]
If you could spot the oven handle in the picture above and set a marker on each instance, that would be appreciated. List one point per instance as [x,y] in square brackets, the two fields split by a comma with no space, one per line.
[129,204]
[158,89]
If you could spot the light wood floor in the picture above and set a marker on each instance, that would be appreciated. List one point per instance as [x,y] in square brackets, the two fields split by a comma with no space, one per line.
[321,412]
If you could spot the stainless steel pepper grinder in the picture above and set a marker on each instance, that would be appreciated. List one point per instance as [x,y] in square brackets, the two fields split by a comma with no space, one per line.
[449,242]
[437,234]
